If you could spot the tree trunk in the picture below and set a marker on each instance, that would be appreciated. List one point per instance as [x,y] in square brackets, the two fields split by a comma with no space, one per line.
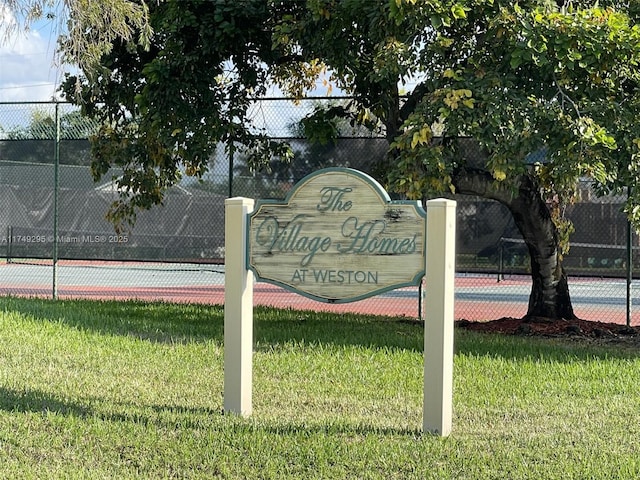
[550,292]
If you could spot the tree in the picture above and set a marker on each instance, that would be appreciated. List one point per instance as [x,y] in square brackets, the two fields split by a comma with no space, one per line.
[518,80]
[331,140]
[170,104]
[42,126]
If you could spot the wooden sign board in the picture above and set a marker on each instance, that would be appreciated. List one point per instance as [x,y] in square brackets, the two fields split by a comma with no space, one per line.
[337,237]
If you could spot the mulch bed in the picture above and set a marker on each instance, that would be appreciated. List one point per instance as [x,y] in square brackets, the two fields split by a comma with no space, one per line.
[604,332]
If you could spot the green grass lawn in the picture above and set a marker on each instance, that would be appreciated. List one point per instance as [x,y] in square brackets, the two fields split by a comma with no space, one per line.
[134,390]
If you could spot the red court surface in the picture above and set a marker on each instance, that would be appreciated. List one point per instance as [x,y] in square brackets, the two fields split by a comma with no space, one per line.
[477,297]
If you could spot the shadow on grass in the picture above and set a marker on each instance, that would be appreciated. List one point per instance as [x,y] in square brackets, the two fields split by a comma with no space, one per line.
[156,322]
[159,322]
[36,401]
[175,416]
[279,328]
[339,429]
[547,350]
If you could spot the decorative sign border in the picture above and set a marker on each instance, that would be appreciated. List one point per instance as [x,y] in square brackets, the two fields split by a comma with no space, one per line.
[337,237]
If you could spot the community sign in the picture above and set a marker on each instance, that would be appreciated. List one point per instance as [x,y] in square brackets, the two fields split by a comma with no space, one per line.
[337,237]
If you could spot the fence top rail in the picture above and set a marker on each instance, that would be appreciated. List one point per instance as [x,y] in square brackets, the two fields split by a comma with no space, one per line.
[256,99]
[37,102]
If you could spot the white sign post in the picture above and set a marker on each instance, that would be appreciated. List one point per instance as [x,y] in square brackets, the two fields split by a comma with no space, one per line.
[238,310]
[339,238]
[438,316]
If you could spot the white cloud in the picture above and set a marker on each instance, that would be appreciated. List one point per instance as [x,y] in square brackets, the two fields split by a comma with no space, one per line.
[27,68]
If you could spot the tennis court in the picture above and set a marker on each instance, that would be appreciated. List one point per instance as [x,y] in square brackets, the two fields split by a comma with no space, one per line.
[478,297]
[190,228]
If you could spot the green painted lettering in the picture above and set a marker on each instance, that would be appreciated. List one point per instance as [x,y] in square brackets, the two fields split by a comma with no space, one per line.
[344,276]
[331,200]
[360,235]
[290,238]
[299,276]
[366,238]
[320,276]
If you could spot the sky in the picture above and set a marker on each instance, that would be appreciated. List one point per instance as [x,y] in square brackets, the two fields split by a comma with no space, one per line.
[28,70]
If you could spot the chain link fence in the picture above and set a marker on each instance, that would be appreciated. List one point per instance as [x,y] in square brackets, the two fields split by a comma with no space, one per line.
[55,240]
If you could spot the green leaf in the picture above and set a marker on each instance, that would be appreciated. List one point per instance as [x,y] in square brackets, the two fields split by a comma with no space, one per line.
[458,11]
[515,61]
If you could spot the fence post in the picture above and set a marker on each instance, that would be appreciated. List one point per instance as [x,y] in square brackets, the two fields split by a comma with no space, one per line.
[629,264]
[56,189]
[500,259]
[238,309]
[438,317]
[230,177]
[9,243]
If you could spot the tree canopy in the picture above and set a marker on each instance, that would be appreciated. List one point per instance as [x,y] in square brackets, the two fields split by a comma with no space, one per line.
[167,105]
[548,92]
[518,78]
